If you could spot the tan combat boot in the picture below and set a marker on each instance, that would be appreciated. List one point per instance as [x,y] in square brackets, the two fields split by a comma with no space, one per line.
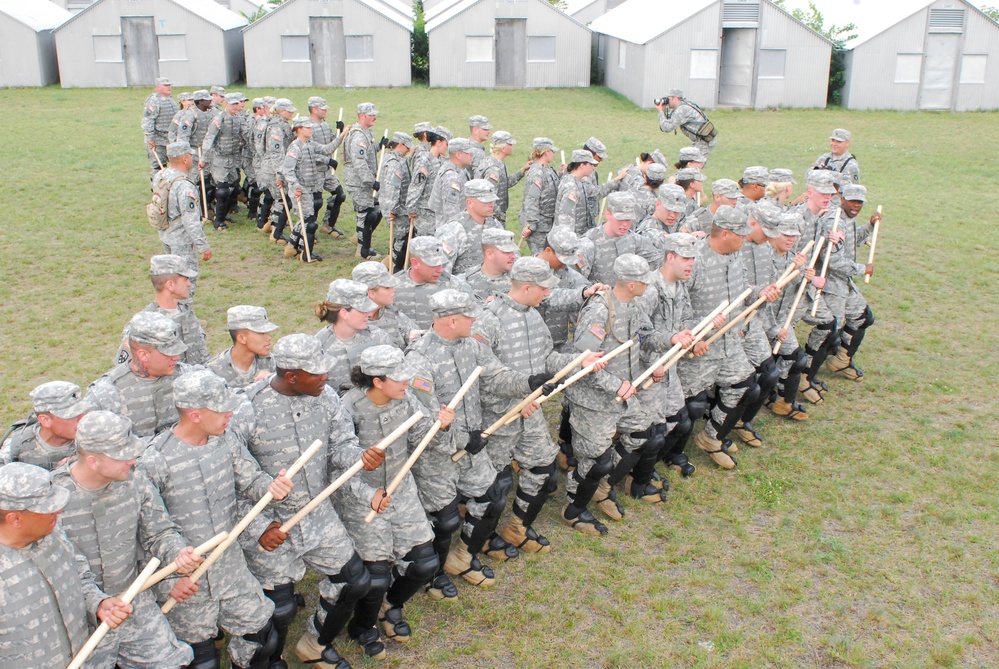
[713,448]
[524,538]
[842,364]
[785,410]
[747,435]
[308,651]
[605,501]
[462,563]
[290,251]
[808,391]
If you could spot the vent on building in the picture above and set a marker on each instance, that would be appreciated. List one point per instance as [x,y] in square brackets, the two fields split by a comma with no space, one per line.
[946,20]
[740,14]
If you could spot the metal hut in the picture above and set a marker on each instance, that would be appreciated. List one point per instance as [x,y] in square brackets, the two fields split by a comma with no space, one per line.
[27,50]
[586,11]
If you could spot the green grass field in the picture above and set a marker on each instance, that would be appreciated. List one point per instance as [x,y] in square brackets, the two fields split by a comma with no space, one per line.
[863,538]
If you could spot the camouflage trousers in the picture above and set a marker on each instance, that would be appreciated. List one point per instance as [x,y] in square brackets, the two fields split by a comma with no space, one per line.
[848,310]
[756,345]
[475,474]
[400,233]
[528,441]
[152,156]
[360,195]
[224,170]
[822,316]
[537,241]
[787,348]
[701,375]
[145,640]
[426,223]
[391,535]
[665,399]
[593,432]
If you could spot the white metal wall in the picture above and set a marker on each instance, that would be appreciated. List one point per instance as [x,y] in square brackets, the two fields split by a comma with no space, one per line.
[573,47]
[21,54]
[668,60]
[447,50]
[806,65]
[981,36]
[870,74]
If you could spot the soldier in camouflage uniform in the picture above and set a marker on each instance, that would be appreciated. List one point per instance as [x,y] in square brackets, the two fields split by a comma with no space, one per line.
[184,235]
[46,438]
[753,186]
[425,277]
[570,202]
[724,192]
[277,136]
[157,115]
[290,410]
[249,357]
[420,131]
[645,195]
[492,277]
[691,180]
[780,190]
[400,328]
[49,598]
[112,516]
[839,160]
[258,146]
[192,126]
[197,467]
[493,169]
[218,99]
[394,193]
[142,388]
[346,310]
[447,199]
[323,133]
[664,220]
[616,238]
[185,100]
[461,236]
[360,158]
[397,546]
[423,169]
[478,133]
[255,121]
[222,152]
[304,170]
[595,191]
[537,212]
[686,117]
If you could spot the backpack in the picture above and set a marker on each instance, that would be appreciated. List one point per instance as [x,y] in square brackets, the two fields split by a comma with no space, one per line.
[706,131]
[156,210]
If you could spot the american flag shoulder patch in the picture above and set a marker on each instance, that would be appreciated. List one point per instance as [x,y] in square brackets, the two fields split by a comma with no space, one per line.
[481,338]
[446,247]
[572,196]
[598,332]
[422,384]
[537,182]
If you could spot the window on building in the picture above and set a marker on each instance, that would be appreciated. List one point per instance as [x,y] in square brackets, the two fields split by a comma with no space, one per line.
[601,47]
[478,48]
[541,49]
[295,49]
[907,68]
[622,54]
[703,63]
[107,48]
[973,68]
[172,47]
[772,63]
[360,47]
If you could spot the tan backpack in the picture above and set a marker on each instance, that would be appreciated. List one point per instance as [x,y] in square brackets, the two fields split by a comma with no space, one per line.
[156,210]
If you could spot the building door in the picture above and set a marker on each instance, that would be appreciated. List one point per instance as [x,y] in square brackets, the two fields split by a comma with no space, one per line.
[327,51]
[511,53]
[735,80]
[939,70]
[140,51]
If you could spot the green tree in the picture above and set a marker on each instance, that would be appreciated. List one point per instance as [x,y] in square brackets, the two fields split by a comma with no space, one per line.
[419,45]
[559,4]
[991,12]
[838,35]
[263,10]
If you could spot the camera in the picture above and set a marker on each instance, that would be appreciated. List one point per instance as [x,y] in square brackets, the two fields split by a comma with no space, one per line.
[659,101]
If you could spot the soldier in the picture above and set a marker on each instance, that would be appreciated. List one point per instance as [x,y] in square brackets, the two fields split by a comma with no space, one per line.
[492,277]
[171,278]
[780,190]
[493,169]
[724,193]
[222,151]
[142,388]
[322,133]
[256,122]
[689,119]
[397,546]
[692,182]
[258,145]
[425,277]
[461,237]
[304,170]
[690,156]
[570,202]
[615,238]
[753,185]
[291,409]
[393,195]
[186,100]
[218,99]
[478,133]
[47,592]
[839,159]
[277,137]
[399,327]
[111,517]
[645,195]
[420,131]
[446,199]
[537,213]
[249,357]
[157,115]
[346,311]
[593,189]
[192,126]
[197,467]
[360,158]
[424,168]
[46,437]
[665,217]
[183,235]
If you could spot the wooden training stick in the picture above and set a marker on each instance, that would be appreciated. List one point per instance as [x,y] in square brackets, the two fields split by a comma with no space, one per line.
[378,172]
[801,291]
[346,476]
[874,245]
[204,193]
[160,163]
[427,438]
[172,567]
[387,260]
[563,157]
[603,202]
[628,343]
[245,522]
[825,261]
[409,240]
[337,149]
[104,628]
[305,239]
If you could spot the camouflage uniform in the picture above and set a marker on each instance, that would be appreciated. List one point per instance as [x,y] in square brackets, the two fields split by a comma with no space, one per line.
[411,298]
[222,150]
[392,198]
[185,236]
[304,169]
[461,239]
[537,211]
[607,249]
[346,353]
[446,198]
[570,206]
[485,286]
[157,115]
[494,171]
[276,138]
[424,168]
[223,366]
[191,128]
[190,330]
[688,120]
[360,159]
[24,443]
[325,134]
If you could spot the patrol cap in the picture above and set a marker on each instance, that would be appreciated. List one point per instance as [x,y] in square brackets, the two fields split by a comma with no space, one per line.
[423,126]
[386,360]
[621,205]
[25,487]
[247,317]
[840,135]
[201,94]
[350,293]
[733,220]
[284,104]
[500,238]
[374,275]
[672,198]
[299,351]
[233,98]
[655,172]
[725,188]
[791,223]
[204,389]
[563,241]
[597,147]
[659,159]
[480,189]
[428,250]
[756,174]
[302,122]
[154,329]
[459,144]
[502,137]
[451,302]
[768,215]
[782,176]
[163,81]
[443,132]
[402,138]
[689,174]
[178,149]
[674,93]
[630,267]
[854,193]
[479,122]
[316,102]
[258,103]
[531,269]
[581,156]
[218,90]
[62,399]
[185,96]
[823,181]
[110,434]
[692,154]
[682,244]
[543,144]
[269,100]
[170,264]
[367,108]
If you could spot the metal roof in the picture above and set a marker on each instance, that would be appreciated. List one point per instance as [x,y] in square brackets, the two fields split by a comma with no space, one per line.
[448,9]
[641,21]
[574,6]
[207,10]
[394,10]
[36,14]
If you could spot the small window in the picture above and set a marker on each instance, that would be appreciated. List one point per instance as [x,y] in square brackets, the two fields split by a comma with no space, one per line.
[772,63]
[907,67]
[107,48]
[172,47]
[602,48]
[360,47]
[295,49]
[973,68]
[541,49]
[478,48]
[703,63]
[622,54]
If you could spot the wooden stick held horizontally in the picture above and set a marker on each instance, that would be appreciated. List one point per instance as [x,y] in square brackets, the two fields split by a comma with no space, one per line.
[625,345]
[172,567]
[874,245]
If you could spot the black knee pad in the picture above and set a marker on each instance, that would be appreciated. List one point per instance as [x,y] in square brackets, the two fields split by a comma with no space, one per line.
[868,318]
[447,520]
[655,440]
[206,655]
[371,219]
[340,196]
[767,376]
[602,466]
[682,422]
[497,493]
[317,201]
[799,362]
[268,638]
[423,562]
[355,578]
[752,391]
[831,341]
[381,576]
[285,603]
[697,406]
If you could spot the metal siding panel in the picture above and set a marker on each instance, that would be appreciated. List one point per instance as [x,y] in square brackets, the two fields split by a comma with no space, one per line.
[447,49]
[262,46]
[807,55]
[872,67]
[20,54]
[981,35]
[391,64]
[668,60]
[573,50]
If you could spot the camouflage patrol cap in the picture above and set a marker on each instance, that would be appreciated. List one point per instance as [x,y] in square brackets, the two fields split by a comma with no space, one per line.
[62,399]
[631,267]
[822,181]
[531,269]
[479,122]
[178,149]
[672,198]
[563,241]
[201,94]
[692,154]
[163,81]
[170,264]
[316,102]
[500,238]
[621,205]
[443,132]
[257,103]
[185,96]
[270,100]
[791,224]
[502,137]
[596,147]
[659,159]
[350,293]
[218,90]
[402,138]
[374,275]
[110,434]
[459,144]
[302,122]
[25,487]
[150,328]
[300,351]
[451,302]
[581,156]
[423,126]
[367,108]
[428,250]
[284,104]
[247,317]
[386,360]
[768,215]
[840,135]
[655,172]
[674,93]
[854,193]
[756,174]
[204,389]
[725,188]
[733,220]
[782,176]
[233,98]
[480,189]
[689,174]
[682,244]
[543,144]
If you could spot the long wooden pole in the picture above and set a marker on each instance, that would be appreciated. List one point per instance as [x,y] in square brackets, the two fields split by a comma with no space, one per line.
[378,172]
[874,244]
[825,261]
[603,202]
[801,291]
[305,238]
[409,240]
[337,149]
[586,370]
[172,567]
[204,192]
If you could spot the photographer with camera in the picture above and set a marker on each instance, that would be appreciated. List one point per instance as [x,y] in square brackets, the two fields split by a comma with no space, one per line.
[676,113]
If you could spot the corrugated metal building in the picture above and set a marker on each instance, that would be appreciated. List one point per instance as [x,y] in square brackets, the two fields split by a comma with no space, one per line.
[586,11]
[737,53]
[330,43]
[27,50]
[114,43]
[506,44]
[942,55]
[245,6]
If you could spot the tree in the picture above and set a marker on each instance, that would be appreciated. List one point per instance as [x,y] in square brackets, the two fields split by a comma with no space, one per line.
[838,35]
[263,10]
[419,45]
[991,12]
[559,4]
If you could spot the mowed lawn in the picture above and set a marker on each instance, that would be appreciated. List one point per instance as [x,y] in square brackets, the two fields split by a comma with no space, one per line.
[865,537]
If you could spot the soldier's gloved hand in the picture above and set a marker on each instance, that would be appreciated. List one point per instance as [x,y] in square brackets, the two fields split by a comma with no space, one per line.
[476,442]
[535,381]
[113,611]
[372,458]
[383,142]
[334,163]
[273,537]
[340,126]
[377,185]
[548,388]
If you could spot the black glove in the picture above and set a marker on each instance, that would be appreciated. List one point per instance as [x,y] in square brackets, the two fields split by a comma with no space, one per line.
[383,142]
[548,388]
[376,185]
[535,381]
[476,442]
[333,163]
[340,126]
